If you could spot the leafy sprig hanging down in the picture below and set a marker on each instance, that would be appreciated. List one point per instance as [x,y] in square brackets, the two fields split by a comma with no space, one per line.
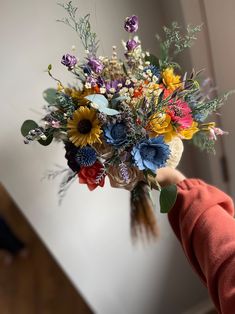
[175,42]
[82,27]
[202,141]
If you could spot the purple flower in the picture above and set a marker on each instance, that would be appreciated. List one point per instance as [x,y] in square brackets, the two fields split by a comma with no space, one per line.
[151,153]
[114,84]
[92,80]
[96,65]
[131,44]
[131,24]
[69,60]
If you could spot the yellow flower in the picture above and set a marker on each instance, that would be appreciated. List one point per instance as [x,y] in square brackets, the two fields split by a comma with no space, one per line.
[160,123]
[60,87]
[152,91]
[171,80]
[207,126]
[84,127]
[79,95]
[188,133]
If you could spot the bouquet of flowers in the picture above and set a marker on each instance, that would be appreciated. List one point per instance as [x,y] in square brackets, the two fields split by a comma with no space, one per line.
[125,119]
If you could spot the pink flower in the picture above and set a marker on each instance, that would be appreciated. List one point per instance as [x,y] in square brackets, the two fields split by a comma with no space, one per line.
[214,132]
[180,113]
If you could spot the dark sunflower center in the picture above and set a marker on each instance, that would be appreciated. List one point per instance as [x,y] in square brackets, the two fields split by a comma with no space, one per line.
[84,126]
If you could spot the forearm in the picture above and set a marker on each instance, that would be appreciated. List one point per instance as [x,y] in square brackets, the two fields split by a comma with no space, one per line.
[202,219]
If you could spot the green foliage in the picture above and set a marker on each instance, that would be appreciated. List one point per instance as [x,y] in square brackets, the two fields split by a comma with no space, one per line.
[82,27]
[175,42]
[206,108]
[168,197]
[47,141]
[27,126]
[50,95]
[201,140]
[152,59]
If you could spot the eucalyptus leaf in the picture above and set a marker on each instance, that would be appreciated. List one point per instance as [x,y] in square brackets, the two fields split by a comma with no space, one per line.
[168,197]
[109,111]
[98,100]
[118,99]
[47,141]
[50,95]
[27,126]
[101,103]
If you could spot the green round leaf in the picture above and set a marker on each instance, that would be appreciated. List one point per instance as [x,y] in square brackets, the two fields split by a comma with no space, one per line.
[168,197]
[27,126]
[47,141]
[50,95]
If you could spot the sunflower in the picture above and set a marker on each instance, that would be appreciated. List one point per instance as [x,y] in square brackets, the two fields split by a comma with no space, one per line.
[170,79]
[79,95]
[84,128]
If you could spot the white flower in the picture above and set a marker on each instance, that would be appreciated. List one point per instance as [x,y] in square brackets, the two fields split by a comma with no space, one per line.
[176,147]
[88,85]
[102,90]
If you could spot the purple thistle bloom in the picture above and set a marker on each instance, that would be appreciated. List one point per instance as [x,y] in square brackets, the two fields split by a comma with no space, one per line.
[131,24]
[69,60]
[131,44]
[86,156]
[96,65]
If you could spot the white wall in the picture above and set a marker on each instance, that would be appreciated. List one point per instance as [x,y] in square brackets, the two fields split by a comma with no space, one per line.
[89,233]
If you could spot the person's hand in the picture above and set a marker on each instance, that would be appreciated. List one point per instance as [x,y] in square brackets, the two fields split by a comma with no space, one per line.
[167,176]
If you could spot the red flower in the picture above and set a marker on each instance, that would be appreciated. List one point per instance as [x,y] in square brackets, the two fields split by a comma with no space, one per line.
[93,176]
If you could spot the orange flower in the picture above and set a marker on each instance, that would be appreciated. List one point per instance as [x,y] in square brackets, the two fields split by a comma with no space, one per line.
[170,79]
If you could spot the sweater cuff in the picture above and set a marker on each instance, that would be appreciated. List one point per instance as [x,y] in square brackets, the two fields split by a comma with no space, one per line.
[188,184]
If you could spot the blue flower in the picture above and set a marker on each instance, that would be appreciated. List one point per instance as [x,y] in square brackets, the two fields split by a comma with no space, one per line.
[154,69]
[115,134]
[86,156]
[151,153]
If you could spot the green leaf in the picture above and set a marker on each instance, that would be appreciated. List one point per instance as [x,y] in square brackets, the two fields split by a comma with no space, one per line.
[98,100]
[101,103]
[27,126]
[116,100]
[168,197]
[47,141]
[152,59]
[50,95]
[49,67]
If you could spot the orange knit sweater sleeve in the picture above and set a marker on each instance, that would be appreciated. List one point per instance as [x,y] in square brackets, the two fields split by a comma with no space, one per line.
[202,219]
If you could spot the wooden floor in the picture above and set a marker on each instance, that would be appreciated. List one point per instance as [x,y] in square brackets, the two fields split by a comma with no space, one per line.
[36,284]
